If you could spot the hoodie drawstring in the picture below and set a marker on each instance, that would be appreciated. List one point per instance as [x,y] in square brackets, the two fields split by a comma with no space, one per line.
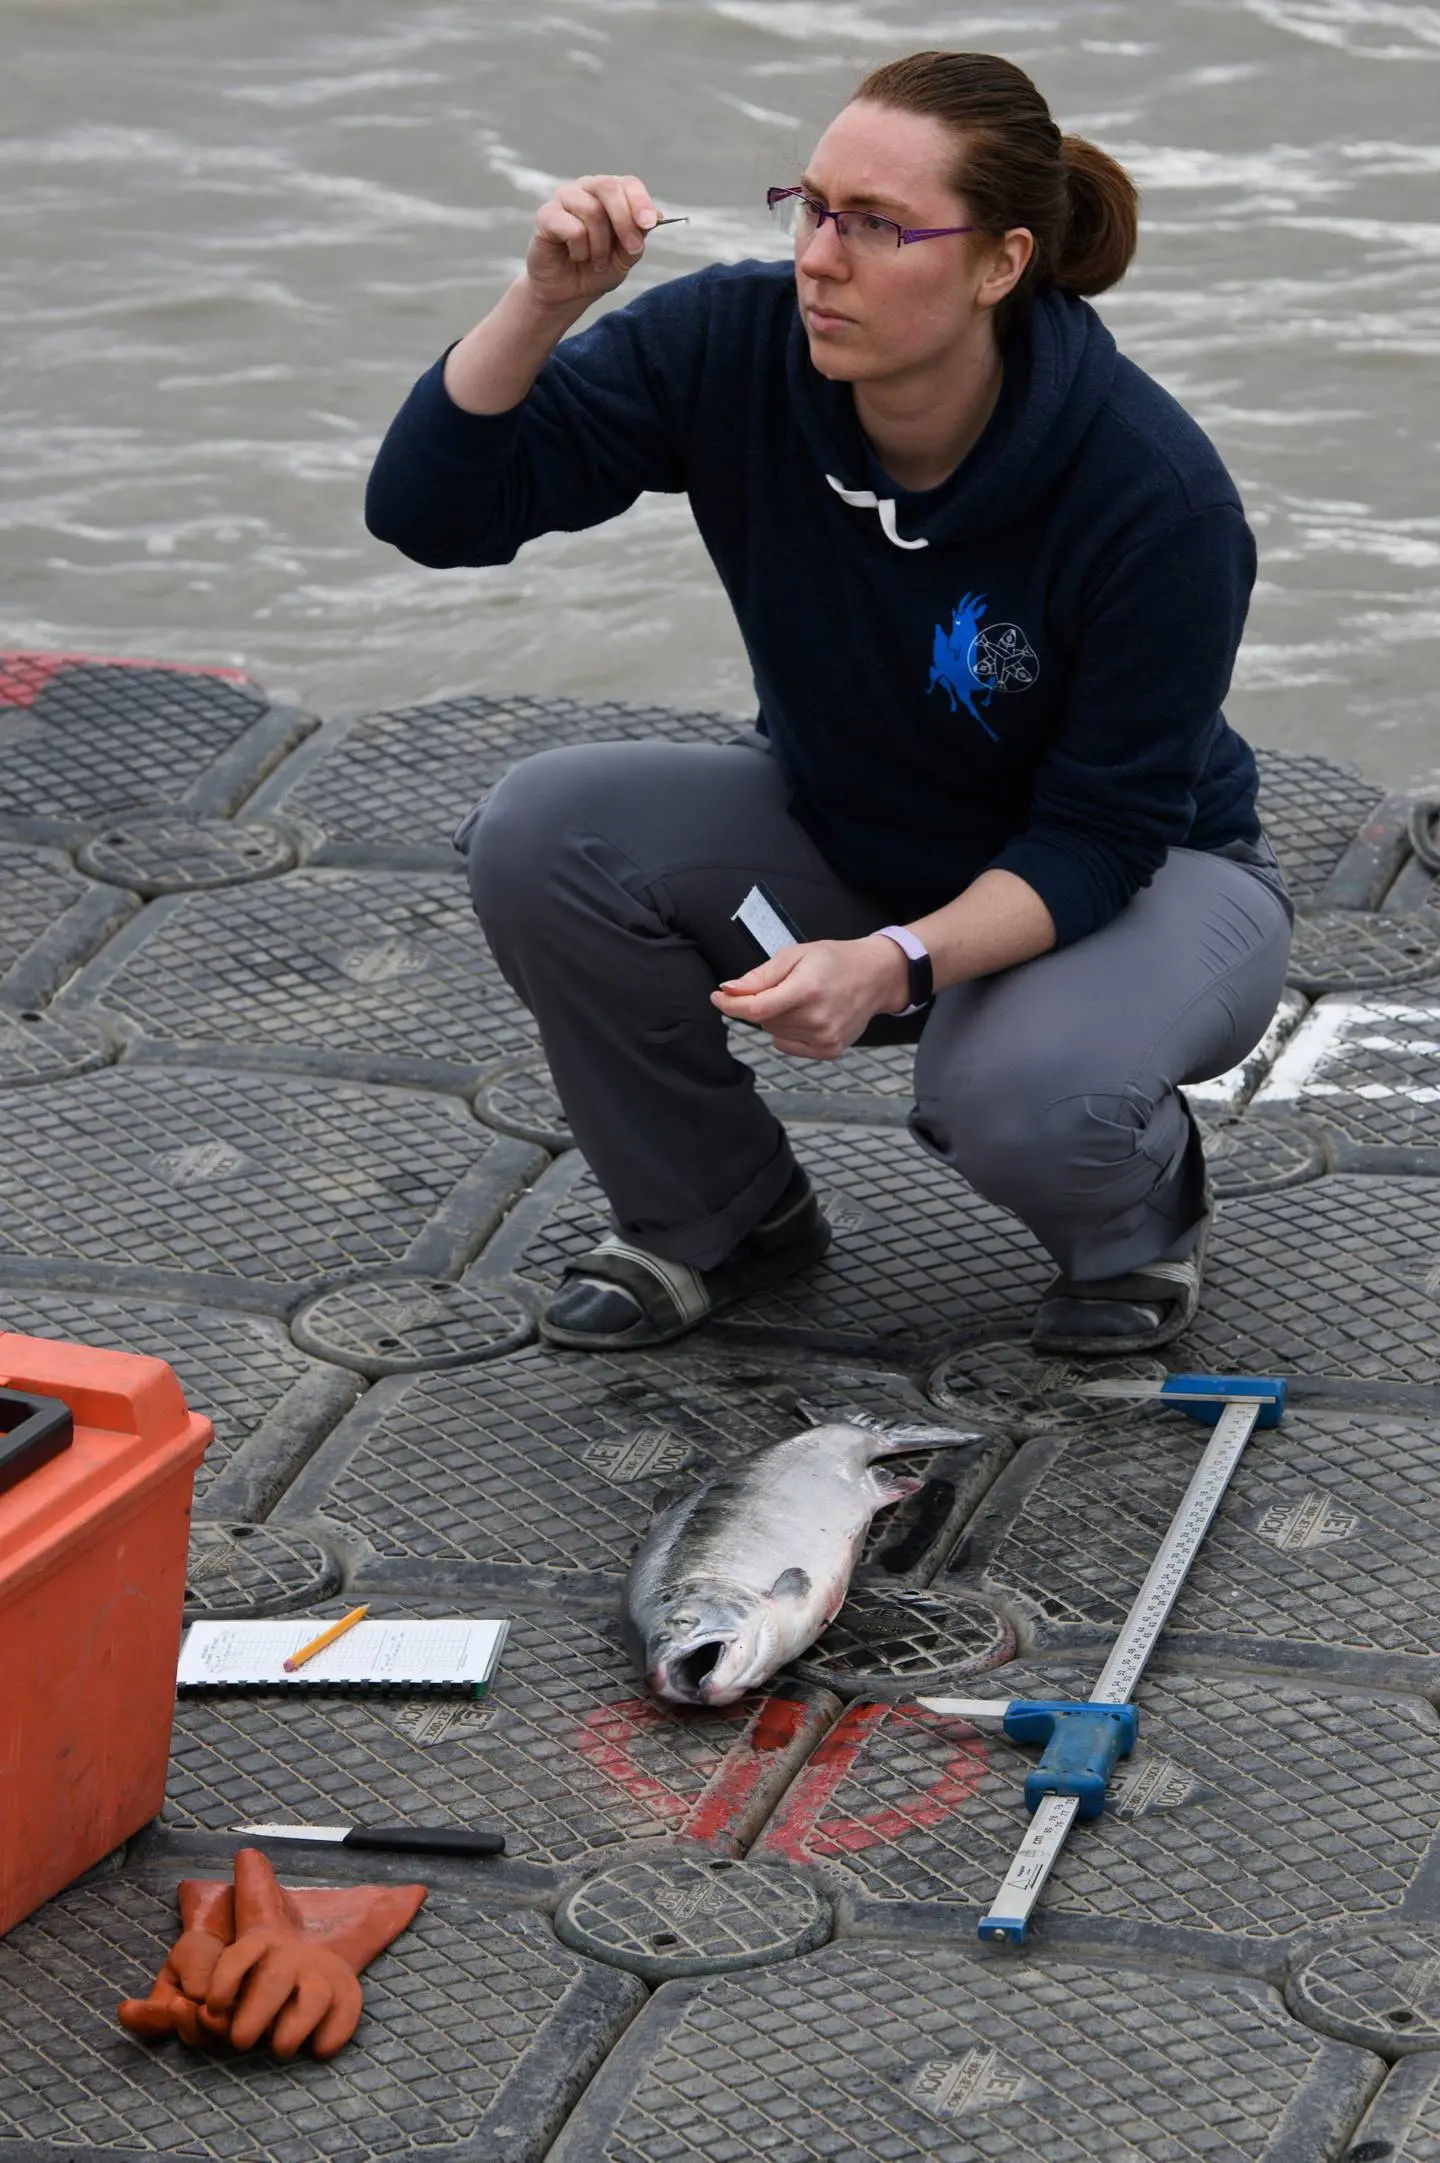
[864,499]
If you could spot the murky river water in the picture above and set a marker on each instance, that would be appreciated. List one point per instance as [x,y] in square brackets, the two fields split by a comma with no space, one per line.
[233,234]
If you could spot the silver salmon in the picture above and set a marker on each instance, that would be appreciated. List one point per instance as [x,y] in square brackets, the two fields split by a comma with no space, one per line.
[743,1575]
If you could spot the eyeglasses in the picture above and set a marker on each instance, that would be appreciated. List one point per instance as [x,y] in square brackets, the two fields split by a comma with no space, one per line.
[864,233]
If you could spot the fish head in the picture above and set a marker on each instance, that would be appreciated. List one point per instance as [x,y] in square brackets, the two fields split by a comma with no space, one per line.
[709,1644]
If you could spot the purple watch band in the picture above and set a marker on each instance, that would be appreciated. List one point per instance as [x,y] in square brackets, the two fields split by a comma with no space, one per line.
[922,982]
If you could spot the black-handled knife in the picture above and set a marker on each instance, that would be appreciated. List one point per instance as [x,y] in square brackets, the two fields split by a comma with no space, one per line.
[401,1839]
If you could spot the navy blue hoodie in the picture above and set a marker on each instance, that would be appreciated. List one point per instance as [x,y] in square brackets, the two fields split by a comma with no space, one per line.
[1020,668]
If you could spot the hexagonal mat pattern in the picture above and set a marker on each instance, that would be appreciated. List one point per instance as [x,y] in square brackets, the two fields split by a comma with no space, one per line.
[868,1085]
[872,1081]
[479,2031]
[673,1914]
[143,1174]
[40,885]
[268,1402]
[167,853]
[99,737]
[1337,1278]
[940,2057]
[1000,1379]
[1365,1070]
[389,1325]
[1380,1989]
[565,1753]
[558,1460]
[390,785]
[1310,1564]
[39,1047]
[1250,1156]
[892,1642]
[1352,950]
[244,1569]
[917,1258]
[1251,1809]
[345,971]
[1312,807]
[52,921]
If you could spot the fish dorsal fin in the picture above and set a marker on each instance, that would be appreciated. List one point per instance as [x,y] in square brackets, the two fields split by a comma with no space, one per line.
[917,1436]
[894,1436]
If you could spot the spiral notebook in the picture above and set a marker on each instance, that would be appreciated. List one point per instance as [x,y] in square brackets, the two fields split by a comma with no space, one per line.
[450,1654]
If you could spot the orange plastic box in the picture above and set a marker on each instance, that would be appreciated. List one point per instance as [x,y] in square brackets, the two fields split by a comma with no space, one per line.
[95,1489]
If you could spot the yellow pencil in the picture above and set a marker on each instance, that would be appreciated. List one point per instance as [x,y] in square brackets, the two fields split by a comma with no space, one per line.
[326,1637]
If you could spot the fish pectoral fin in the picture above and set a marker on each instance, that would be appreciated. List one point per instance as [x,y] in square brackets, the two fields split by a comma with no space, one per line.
[791,1585]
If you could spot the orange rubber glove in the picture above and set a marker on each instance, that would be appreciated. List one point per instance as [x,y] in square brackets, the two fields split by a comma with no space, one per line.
[176,2004]
[292,1972]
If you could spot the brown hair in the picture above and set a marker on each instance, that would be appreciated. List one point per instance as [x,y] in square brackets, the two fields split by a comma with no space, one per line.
[1016,168]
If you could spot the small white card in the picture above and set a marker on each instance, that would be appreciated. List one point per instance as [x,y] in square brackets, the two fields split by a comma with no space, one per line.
[766,926]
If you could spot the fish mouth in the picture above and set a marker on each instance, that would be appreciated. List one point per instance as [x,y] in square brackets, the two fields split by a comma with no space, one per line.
[686,1677]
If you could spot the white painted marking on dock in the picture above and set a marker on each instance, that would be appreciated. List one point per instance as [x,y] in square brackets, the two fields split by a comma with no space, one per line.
[1321,1058]
[1230,1090]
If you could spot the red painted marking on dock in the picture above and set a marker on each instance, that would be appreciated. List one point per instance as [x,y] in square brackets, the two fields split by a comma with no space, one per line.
[606,1738]
[803,1830]
[23,676]
[724,1812]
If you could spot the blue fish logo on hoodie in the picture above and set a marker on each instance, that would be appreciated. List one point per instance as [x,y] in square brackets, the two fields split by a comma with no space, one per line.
[951,666]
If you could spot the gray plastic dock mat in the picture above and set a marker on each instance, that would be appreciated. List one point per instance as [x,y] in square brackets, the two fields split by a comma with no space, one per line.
[252,1570]
[918,1258]
[243,1187]
[479,2032]
[392,787]
[1312,808]
[1351,950]
[166,852]
[1379,1988]
[270,1405]
[85,739]
[853,2054]
[557,1461]
[565,1753]
[1366,1071]
[868,1085]
[1334,1278]
[1402,2125]
[391,1324]
[53,920]
[1252,1808]
[676,1914]
[890,1641]
[871,1083]
[36,1046]
[378,974]
[1310,1565]
[1248,1156]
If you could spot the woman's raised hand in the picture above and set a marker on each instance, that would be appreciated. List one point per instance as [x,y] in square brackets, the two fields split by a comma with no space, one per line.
[588,238]
[814,1000]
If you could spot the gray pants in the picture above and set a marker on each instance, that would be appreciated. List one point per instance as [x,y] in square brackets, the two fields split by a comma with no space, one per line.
[605,877]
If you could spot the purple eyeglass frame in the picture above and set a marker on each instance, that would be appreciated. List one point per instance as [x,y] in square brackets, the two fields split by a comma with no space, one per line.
[903,234]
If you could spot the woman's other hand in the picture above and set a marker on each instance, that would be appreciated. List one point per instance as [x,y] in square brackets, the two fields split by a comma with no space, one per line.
[815,1000]
[588,238]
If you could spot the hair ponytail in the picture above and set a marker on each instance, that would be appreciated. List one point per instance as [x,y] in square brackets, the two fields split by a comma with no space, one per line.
[1014,167]
[1103,225]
